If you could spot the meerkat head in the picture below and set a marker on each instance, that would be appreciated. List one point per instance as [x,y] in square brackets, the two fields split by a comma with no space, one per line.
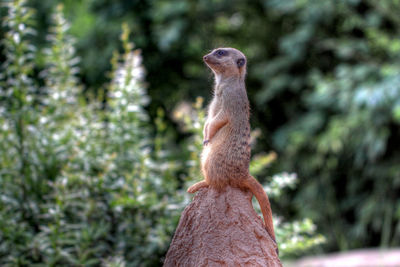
[226,62]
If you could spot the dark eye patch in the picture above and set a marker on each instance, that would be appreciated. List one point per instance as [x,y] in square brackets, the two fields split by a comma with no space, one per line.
[240,62]
[221,53]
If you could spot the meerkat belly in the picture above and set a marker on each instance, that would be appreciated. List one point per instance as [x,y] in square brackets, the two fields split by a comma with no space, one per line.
[225,161]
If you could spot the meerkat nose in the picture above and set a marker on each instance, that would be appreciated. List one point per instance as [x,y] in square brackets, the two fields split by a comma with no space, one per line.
[205,58]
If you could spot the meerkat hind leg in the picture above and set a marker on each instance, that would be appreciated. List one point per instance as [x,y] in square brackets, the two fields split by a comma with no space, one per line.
[194,188]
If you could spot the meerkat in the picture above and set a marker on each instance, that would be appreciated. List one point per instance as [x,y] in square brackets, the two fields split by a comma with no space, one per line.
[226,153]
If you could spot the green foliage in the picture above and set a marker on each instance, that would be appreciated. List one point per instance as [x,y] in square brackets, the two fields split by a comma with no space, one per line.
[296,237]
[324,85]
[79,184]
[323,82]
[89,183]
[343,137]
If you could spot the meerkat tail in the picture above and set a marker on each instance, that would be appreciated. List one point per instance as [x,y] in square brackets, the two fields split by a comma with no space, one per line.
[256,188]
[194,188]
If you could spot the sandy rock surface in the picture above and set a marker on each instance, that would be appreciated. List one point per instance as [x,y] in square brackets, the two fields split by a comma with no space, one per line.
[221,229]
[357,258]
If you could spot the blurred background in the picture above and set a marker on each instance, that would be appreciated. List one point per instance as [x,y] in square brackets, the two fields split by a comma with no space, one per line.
[102,105]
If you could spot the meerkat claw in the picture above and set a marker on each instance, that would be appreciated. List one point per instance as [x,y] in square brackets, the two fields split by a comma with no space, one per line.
[205,142]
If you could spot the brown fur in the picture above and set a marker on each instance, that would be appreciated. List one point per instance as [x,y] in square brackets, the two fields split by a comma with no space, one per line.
[226,154]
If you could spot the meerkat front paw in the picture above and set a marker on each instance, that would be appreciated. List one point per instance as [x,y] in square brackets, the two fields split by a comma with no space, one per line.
[205,131]
[205,142]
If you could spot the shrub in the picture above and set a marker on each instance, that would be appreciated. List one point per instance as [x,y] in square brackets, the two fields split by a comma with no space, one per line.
[88,183]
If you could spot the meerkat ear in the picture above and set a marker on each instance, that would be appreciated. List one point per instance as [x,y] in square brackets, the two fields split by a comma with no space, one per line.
[240,62]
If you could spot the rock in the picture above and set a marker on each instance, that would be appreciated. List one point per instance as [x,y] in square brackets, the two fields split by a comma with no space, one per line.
[221,229]
[356,258]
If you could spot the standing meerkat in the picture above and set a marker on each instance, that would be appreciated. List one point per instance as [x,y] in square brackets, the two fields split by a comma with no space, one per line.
[226,155]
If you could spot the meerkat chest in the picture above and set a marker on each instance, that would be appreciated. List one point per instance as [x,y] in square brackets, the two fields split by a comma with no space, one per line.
[215,107]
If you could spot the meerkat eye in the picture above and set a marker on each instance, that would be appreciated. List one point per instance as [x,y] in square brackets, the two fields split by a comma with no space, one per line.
[220,52]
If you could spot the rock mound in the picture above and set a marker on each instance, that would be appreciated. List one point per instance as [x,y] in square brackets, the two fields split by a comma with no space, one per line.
[221,229]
